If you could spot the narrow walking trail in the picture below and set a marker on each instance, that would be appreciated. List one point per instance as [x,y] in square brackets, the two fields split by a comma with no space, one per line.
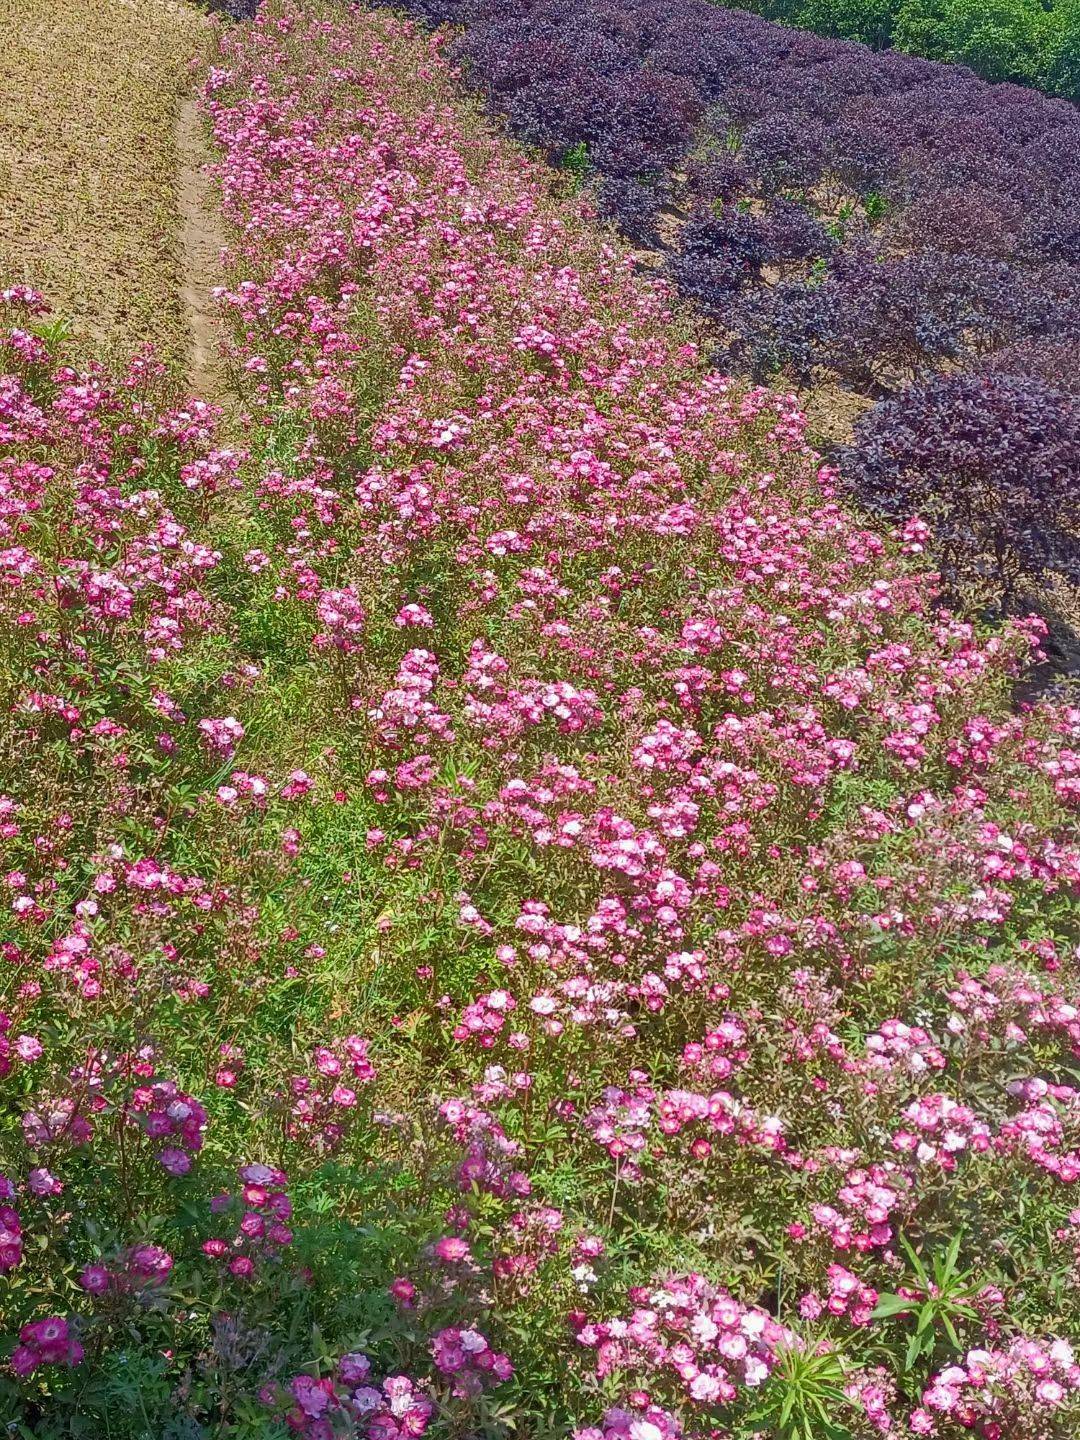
[202,237]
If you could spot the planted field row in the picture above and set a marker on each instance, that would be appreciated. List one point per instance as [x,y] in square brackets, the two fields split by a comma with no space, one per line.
[887,223]
[522,916]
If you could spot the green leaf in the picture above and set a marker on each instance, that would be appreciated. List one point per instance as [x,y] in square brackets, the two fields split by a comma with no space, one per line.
[889,1305]
[914,1350]
[953,1251]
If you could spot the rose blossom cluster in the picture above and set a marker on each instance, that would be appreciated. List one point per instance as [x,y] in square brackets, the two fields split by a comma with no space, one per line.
[322,1101]
[709,1345]
[467,1360]
[11,1241]
[45,1342]
[350,1401]
[649,1423]
[140,1270]
[166,1114]
[996,1391]
[847,1296]
[489,1153]
[262,1230]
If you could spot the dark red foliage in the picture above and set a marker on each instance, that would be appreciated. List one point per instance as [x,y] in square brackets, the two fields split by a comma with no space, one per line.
[991,462]
[1055,360]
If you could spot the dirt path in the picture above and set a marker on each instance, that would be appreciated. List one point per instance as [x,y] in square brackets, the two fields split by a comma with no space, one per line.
[202,237]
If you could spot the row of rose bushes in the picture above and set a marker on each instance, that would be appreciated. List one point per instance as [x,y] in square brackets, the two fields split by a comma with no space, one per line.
[522,916]
[890,224]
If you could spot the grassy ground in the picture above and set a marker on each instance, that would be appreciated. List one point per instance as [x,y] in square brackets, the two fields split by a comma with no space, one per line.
[89,212]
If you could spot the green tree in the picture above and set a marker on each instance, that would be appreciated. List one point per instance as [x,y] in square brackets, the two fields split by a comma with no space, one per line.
[1063,60]
[870,21]
[785,12]
[1001,39]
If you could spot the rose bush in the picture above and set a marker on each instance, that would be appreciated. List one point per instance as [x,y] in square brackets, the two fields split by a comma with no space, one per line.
[522,915]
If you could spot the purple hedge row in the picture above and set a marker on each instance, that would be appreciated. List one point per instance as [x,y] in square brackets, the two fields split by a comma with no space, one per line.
[876,218]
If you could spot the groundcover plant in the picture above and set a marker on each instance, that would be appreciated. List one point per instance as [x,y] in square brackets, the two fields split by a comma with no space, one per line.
[522,918]
[865,219]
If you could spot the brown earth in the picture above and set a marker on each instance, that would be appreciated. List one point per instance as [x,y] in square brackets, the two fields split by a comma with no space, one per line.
[90,173]
[202,237]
